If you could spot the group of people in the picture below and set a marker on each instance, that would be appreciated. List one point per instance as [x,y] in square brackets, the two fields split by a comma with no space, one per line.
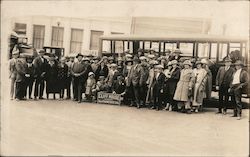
[161,82]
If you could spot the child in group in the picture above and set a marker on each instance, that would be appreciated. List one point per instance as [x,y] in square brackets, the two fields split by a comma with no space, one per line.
[90,86]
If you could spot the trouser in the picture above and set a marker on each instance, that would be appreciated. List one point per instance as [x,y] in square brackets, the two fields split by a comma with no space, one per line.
[12,87]
[158,99]
[236,98]
[61,92]
[69,82]
[78,88]
[20,90]
[143,93]
[39,86]
[136,91]
[29,85]
[223,97]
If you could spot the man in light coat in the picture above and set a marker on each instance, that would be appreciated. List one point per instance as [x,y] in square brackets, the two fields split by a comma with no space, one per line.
[13,72]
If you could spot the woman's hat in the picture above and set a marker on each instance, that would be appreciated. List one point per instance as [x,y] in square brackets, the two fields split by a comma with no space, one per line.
[204,61]
[143,58]
[91,73]
[174,62]
[159,66]
[177,51]
[63,59]
[187,62]
[113,65]
[129,60]
[169,63]
[227,60]
[198,62]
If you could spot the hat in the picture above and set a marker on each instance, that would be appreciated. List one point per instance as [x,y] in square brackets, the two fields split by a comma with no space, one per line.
[227,60]
[198,62]
[204,61]
[143,58]
[153,62]
[104,57]
[119,59]
[42,51]
[151,56]
[167,51]
[52,59]
[91,73]
[129,60]
[111,58]
[169,63]
[174,62]
[151,49]
[63,59]
[79,54]
[101,77]
[96,58]
[159,66]
[128,56]
[140,50]
[86,59]
[239,62]
[177,51]
[187,62]
[119,67]
[113,65]
[136,59]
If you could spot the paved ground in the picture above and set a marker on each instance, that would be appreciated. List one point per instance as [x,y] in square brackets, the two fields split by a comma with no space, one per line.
[51,127]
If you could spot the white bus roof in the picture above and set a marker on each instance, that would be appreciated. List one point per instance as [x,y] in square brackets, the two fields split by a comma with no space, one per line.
[175,37]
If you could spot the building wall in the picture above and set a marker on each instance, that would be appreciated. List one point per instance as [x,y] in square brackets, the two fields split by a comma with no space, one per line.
[68,23]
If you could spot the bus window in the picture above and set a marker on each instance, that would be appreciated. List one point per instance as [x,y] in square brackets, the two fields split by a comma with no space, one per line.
[106,46]
[141,45]
[118,46]
[203,50]
[186,49]
[222,51]
[234,46]
[170,46]
[213,51]
[147,45]
[155,46]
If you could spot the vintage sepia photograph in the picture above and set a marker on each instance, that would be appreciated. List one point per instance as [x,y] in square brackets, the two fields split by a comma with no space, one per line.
[125,78]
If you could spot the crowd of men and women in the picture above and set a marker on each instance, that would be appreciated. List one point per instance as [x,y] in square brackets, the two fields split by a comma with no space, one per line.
[145,79]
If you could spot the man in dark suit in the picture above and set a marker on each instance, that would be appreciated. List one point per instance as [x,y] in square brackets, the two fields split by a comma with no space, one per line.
[158,87]
[40,66]
[134,79]
[238,84]
[223,79]
[29,80]
[21,68]
[143,80]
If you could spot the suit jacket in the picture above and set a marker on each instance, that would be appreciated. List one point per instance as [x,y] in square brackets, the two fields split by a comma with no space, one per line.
[144,75]
[134,75]
[244,78]
[101,72]
[40,66]
[21,67]
[12,69]
[224,76]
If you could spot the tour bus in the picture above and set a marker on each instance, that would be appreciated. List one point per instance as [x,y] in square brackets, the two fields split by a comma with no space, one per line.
[212,47]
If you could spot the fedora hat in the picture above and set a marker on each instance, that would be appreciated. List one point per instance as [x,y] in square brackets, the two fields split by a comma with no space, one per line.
[227,60]
[143,58]
[177,51]
[239,62]
[198,62]
[79,54]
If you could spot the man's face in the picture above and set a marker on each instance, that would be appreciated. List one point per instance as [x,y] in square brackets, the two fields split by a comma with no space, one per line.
[227,63]
[79,58]
[72,59]
[198,66]
[237,67]
[15,56]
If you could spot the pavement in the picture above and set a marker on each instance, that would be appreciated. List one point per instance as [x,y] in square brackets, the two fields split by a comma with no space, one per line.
[53,127]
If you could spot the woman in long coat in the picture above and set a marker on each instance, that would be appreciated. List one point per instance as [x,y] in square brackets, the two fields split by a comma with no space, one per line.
[184,85]
[62,76]
[199,81]
[209,83]
[172,84]
[52,78]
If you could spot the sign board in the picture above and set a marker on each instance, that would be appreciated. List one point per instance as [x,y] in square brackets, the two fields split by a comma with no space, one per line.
[109,98]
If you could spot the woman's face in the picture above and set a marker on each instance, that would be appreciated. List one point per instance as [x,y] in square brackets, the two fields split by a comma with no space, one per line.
[91,76]
[198,66]
[186,66]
